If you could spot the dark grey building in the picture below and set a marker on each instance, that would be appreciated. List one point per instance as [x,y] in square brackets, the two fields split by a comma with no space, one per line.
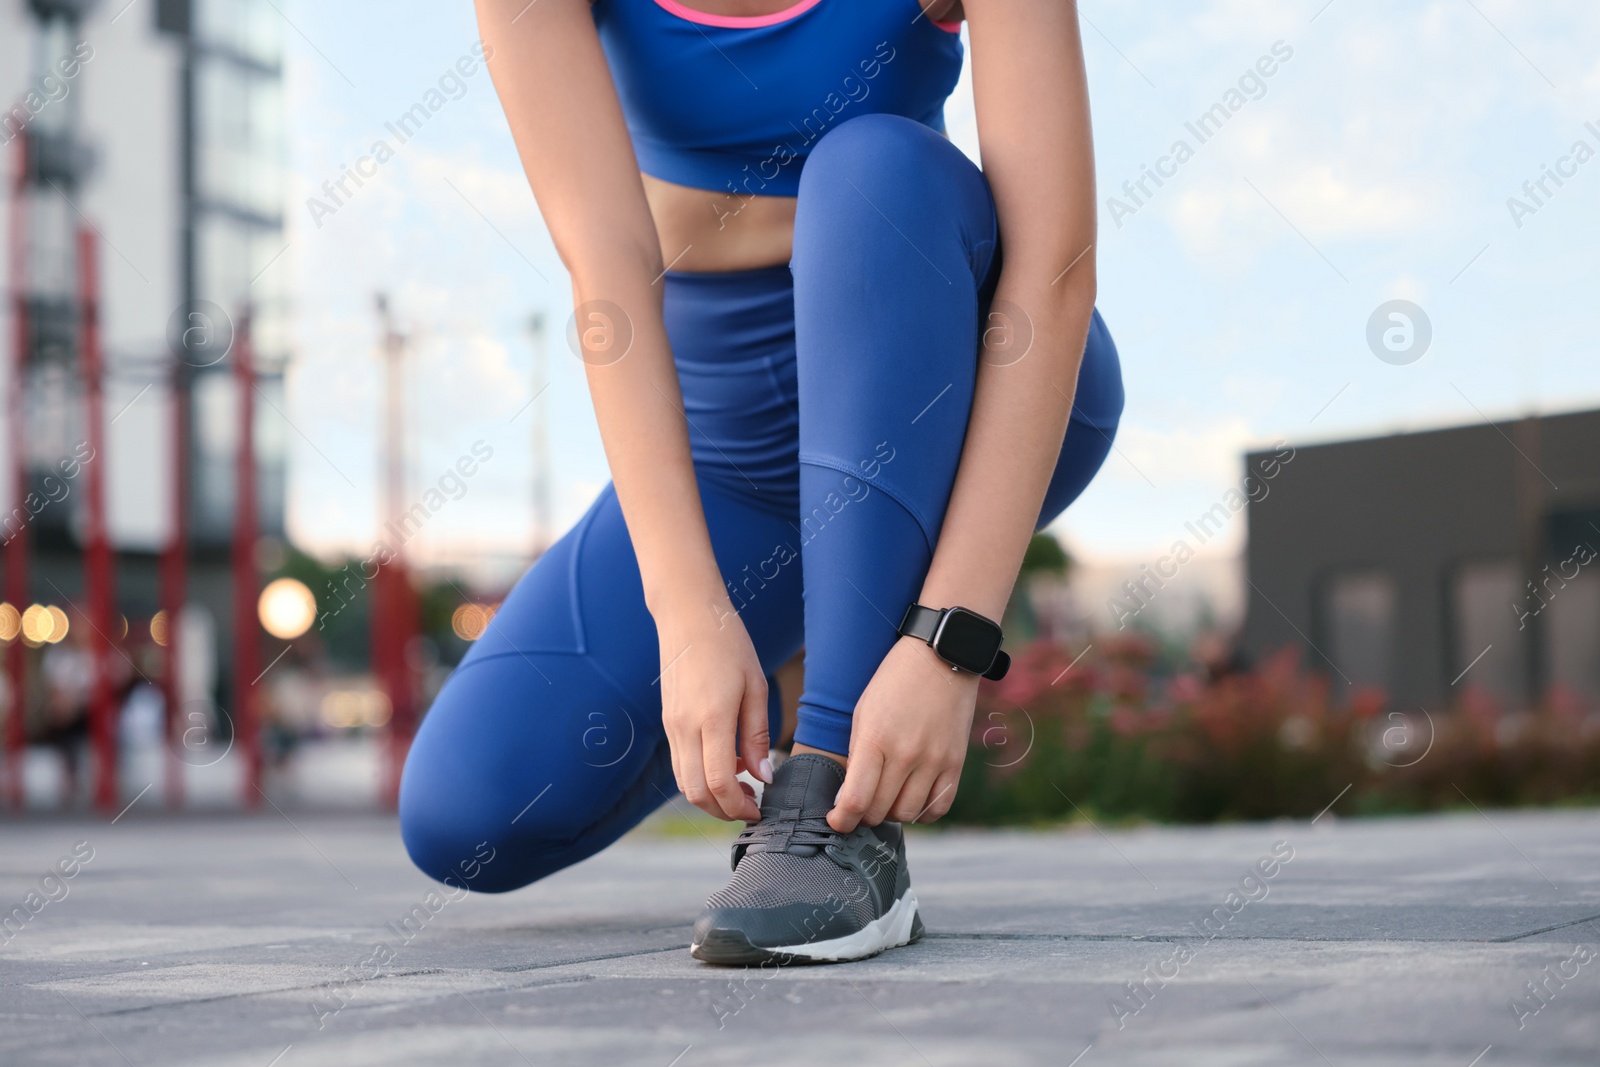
[1430,563]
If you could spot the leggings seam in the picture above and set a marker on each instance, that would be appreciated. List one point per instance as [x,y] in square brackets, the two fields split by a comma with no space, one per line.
[593,662]
[898,496]
[523,652]
[579,624]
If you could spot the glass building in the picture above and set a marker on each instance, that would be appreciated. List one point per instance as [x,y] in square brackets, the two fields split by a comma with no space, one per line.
[233,229]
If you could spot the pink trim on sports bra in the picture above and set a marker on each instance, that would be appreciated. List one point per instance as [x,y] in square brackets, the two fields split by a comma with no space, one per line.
[689,14]
[737,21]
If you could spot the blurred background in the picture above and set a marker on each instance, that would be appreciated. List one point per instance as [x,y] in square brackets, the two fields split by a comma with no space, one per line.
[289,406]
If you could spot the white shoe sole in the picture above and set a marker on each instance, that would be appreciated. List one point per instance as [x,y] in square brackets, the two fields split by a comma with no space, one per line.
[891,930]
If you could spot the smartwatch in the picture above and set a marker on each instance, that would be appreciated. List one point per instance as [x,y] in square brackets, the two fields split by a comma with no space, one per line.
[964,639]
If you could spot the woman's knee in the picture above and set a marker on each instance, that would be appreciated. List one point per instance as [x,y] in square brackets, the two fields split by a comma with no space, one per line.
[455,840]
[494,789]
[456,830]
[885,155]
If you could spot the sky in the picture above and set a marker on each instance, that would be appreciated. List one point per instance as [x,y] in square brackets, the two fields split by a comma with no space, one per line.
[1376,163]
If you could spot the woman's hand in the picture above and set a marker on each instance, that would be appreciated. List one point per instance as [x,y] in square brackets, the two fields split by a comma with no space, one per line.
[712,691]
[908,740]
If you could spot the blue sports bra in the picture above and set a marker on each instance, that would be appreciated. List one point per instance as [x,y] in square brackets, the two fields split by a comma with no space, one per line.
[735,103]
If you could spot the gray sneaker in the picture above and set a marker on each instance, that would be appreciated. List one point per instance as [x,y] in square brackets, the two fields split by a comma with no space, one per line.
[802,891]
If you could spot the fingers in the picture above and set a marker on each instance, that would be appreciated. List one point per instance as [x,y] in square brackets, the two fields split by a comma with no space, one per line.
[881,786]
[686,765]
[913,798]
[754,744]
[926,796]
[726,800]
[942,796]
[891,780]
[692,762]
[859,789]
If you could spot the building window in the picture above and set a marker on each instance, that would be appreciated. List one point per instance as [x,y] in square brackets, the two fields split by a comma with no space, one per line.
[1489,642]
[216,436]
[1571,635]
[1358,619]
[250,28]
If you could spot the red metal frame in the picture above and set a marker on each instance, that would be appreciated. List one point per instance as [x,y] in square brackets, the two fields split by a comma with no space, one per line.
[16,550]
[99,567]
[246,579]
[174,583]
[394,624]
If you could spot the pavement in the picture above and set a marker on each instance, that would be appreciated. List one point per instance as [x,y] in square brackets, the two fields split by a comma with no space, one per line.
[282,940]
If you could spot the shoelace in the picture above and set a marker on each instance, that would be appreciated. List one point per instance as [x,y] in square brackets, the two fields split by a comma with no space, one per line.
[775,833]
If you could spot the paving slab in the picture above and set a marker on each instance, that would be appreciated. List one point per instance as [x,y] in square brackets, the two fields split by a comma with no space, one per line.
[283,940]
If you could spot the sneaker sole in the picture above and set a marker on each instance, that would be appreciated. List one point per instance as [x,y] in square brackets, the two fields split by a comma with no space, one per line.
[898,926]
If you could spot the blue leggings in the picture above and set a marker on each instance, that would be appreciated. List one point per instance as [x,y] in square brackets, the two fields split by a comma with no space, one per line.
[827,402]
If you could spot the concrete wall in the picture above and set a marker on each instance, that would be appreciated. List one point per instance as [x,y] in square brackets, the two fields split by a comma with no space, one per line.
[1417,507]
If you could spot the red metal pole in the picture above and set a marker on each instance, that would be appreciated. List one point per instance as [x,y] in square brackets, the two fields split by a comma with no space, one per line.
[389,610]
[174,582]
[98,564]
[404,688]
[246,580]
[16,545]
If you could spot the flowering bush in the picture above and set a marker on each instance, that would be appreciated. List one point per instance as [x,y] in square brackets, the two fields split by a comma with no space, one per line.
[1077,732]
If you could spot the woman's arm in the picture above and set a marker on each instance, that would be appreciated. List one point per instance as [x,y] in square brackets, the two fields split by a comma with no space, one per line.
[1038,154]
[910,730]
[570,133]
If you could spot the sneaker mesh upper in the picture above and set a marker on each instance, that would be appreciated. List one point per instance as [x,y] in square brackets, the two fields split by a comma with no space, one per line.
[776,879]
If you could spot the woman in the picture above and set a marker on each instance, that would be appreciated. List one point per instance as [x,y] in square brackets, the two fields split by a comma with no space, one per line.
[780,266]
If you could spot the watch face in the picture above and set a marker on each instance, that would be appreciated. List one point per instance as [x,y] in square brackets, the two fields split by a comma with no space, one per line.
[968,640]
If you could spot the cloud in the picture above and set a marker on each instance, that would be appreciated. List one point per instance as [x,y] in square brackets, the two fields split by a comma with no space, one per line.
[1375,130]
[1314,198]
[1166,456]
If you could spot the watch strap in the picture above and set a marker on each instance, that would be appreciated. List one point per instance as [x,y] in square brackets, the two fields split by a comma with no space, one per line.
[997,669]
[920,622]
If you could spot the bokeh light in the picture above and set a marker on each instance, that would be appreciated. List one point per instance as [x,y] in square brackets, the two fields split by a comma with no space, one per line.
[43,625]
[58,624]
[469,621]
[286,608]
[348,709]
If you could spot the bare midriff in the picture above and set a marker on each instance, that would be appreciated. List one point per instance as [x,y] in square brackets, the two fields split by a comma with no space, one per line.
[705,231]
